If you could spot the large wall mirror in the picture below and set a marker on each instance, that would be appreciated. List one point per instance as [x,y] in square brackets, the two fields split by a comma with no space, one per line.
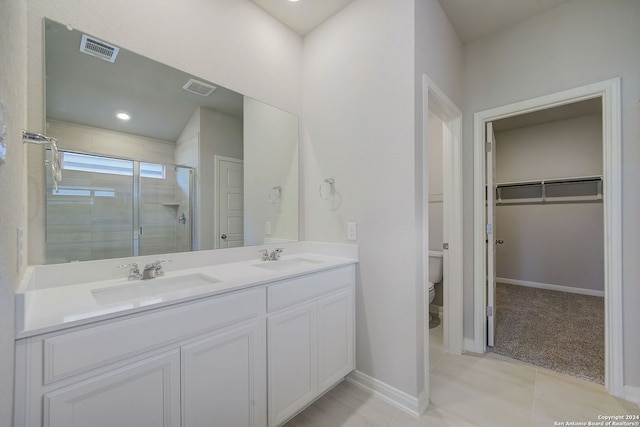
[191,165]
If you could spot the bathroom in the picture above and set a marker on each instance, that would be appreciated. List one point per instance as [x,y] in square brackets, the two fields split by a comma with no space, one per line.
[261,59]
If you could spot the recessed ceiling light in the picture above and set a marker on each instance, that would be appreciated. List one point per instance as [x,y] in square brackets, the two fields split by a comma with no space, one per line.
[123,116]
[293,0]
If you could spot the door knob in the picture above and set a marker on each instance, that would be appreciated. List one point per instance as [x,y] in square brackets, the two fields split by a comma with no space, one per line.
[499,241]
[224,237]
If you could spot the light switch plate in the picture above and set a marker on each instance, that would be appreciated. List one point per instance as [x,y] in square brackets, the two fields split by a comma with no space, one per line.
[352,231]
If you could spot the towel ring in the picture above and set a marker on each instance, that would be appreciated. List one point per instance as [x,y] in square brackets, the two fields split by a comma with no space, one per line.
[327,189]
[275,194]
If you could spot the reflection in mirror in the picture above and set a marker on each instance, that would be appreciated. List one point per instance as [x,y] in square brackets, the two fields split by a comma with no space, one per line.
[192,167]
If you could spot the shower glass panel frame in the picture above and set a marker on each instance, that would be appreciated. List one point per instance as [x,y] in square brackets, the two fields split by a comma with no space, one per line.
[108,207]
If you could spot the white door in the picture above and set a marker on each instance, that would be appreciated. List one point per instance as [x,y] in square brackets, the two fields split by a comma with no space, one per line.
[145,394]
[491,232]
[335,339]
[224,379]
[292,360]
[230,203]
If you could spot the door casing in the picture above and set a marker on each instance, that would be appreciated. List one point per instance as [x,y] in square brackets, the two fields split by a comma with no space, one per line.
[609,91]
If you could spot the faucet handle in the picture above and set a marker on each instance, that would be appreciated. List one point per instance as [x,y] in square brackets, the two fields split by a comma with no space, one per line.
[275,255]
[134,270]
[158,266]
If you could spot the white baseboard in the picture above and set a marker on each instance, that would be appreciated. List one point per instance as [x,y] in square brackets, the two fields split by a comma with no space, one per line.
[401,400]
[470,346]
[632,394]
[551,287]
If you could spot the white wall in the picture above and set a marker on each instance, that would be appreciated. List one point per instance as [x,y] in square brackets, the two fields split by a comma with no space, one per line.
[232,43]
[555,51]
[358,100]
[560,149]
[361,88]
[13,184]
[271,159]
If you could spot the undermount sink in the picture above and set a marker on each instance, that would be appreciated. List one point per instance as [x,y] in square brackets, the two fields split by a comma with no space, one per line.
[288,264]
[151,288]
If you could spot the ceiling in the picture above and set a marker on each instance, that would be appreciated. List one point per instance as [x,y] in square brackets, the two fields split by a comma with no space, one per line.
[304,15]
[471,19]
[75,81]
[474,19]
[84,89]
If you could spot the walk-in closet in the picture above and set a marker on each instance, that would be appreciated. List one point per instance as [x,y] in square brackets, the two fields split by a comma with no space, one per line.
[549,235]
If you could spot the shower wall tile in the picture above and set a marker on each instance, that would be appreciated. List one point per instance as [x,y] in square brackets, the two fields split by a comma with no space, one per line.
[86,139]
[72,233]
[69,213]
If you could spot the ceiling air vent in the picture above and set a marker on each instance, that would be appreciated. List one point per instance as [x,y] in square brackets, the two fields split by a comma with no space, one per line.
[199,88]
[98,48]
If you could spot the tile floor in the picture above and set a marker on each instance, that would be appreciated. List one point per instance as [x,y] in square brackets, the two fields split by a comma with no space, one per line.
[473,390]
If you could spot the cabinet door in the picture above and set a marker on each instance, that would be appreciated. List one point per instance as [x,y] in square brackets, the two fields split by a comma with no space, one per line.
[224,379]
[292,359]
[144,394]
[336,357]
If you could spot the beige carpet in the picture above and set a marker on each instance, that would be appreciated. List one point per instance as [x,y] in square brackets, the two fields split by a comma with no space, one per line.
[555,330]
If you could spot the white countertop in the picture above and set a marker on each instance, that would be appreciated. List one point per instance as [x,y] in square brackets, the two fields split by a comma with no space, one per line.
[47,309]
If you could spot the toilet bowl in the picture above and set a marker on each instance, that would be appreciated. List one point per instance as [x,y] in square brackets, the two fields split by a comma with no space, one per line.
[435,273]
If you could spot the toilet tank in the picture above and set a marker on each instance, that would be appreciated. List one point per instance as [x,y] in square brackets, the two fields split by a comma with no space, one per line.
[435,266]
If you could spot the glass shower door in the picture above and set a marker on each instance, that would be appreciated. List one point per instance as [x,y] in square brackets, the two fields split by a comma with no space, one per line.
[165,211]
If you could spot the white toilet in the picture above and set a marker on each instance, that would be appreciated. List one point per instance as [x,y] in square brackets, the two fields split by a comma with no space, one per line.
[435,273]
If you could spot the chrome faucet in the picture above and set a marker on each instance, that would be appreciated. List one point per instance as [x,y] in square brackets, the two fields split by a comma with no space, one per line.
[134,271]
[273,256]
[153,270]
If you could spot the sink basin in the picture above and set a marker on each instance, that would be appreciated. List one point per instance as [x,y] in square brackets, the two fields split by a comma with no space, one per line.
[151,288]
[288,264]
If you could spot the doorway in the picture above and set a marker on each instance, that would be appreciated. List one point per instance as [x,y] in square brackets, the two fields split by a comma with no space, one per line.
[545,294]
[449,200]
[609,94]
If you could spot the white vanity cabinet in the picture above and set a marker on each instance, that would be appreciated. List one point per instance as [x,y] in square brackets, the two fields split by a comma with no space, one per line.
[248,357]
[198,363]
[311,337]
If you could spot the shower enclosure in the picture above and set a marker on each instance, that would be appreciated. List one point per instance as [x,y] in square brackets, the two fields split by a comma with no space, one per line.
[108,207]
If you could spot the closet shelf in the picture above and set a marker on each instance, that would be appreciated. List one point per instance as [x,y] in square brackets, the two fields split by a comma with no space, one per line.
[556,190]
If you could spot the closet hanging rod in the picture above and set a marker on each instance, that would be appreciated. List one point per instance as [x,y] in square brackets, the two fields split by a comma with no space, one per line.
[570,180]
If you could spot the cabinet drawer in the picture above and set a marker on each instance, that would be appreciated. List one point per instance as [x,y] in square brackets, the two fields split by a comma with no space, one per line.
[76,352]
[293,291]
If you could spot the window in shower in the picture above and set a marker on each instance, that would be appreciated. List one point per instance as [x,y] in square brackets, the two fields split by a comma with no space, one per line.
[107,207]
